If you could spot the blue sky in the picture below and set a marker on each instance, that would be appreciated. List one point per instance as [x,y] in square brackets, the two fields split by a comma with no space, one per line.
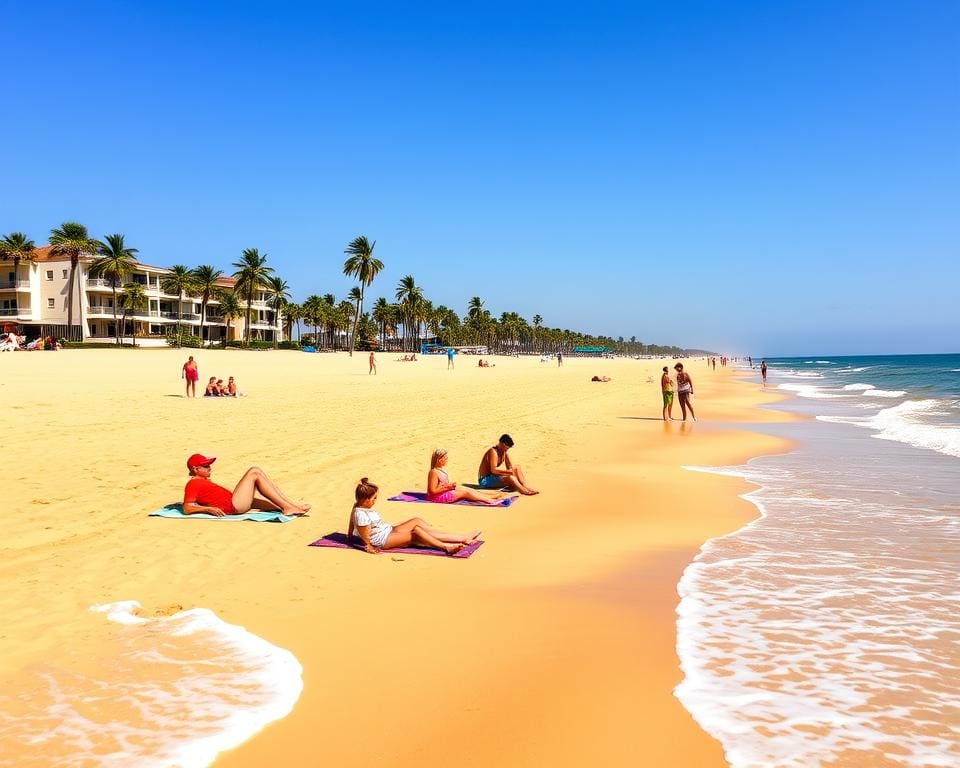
[756,177]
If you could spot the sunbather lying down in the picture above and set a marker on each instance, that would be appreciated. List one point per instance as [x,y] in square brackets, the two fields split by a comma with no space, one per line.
[377,535]
[601,378]
[203,495]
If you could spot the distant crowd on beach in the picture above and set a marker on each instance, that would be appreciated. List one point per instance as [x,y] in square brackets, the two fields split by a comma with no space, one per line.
[11,342]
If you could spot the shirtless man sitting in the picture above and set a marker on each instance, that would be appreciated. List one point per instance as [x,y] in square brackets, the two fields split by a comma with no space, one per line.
[491,475]
[203,495]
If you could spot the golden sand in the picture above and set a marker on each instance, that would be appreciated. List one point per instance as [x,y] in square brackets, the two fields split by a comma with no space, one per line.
[554,644]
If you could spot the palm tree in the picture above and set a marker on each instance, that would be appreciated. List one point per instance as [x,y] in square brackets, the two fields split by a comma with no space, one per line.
[537,322]
[408,295]
[382,315]
[230,309]
[71,239]
[180,281]
[16,246]
[133,298]
[292,313]
[355,297]
[281,297]
[115,263]
[313,314]
[205,280]
[361,265]
[252,272]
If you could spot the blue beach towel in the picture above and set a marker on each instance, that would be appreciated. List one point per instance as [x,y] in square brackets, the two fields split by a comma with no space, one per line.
[260,516]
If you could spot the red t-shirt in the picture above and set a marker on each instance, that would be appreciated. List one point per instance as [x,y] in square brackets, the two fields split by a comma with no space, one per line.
[208,494]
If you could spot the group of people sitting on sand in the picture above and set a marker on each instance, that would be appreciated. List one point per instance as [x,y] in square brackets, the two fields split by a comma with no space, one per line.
[408,358]
[485,363]
[11,342]
[497,475]
[216,388]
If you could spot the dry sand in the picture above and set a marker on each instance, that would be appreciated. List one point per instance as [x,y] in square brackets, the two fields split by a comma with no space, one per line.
[554,644]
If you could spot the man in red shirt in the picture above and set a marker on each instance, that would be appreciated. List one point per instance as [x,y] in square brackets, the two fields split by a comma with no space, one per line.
[203,495]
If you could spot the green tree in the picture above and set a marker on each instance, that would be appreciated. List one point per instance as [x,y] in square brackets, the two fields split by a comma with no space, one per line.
[181,282]
[382,315]
[205,285]
[362,265]
[115,262]
[16,246]
[408,296]
[133,299]
[292,313]
[72,240]
[279,299]
[230,310]
[252,272]
[313,314]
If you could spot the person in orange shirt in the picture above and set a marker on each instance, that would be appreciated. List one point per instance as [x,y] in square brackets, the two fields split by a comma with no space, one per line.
[203,495]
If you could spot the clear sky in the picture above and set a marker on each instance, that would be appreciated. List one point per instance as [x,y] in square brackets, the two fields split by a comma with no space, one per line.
[759,177]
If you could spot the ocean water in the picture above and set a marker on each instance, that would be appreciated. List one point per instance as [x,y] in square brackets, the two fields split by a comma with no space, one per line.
[827,631]
[156,693]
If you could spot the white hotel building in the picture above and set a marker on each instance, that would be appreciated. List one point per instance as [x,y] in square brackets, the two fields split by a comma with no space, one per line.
[34,301]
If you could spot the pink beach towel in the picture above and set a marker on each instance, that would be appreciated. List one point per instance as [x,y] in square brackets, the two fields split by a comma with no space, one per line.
[339,541]
[419,497]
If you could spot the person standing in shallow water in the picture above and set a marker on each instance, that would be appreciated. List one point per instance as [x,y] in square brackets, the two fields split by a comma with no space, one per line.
[763,371]
[684,391]
[191,374]
[666,387]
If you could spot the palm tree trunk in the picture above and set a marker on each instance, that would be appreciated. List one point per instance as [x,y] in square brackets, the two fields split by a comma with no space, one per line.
[179,316]
[116,328]
[247,329]
[16,292]
[203,314]
[73,272]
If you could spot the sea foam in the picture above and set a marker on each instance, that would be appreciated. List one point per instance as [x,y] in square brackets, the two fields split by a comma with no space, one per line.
[905,423]
[160,692]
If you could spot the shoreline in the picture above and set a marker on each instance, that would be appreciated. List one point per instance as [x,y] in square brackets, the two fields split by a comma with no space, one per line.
[550,644]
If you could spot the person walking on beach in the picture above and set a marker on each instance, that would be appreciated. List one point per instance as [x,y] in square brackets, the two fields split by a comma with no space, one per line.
[441,491]
[763,371]
[684,391]
[559,359]
[491,475]
[202,495]
[191,374]
[450,354]
[377,535]
[666,387]
[373,364]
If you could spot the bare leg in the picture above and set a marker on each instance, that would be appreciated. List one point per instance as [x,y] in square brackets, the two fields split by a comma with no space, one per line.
[521,482]
[455,538]
[409,525]
[254,481]
[469,494]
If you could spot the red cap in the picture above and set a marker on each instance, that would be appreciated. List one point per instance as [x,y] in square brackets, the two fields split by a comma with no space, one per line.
[199,460]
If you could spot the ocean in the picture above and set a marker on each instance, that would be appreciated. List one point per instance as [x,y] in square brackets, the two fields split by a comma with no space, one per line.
[827,631]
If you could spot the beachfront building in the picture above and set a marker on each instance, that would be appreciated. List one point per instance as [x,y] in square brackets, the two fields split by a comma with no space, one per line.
[35,299]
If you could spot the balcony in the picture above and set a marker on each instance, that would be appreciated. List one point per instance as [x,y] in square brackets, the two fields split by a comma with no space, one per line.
[23,312]
[189,317]
[18,284]
[108,311]
[99,283]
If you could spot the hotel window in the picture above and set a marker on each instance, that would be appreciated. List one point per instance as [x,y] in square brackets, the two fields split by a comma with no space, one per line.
[51,303]
[64,274]
[49,274]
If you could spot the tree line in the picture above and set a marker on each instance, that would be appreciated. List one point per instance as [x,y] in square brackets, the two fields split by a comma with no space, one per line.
[410,318]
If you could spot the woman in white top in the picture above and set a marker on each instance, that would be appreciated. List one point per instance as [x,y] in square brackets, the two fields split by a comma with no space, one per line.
[376,534]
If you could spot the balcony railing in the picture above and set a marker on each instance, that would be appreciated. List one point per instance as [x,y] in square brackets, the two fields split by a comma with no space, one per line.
[101,310]
[14,312]
[14,283]
[188,316]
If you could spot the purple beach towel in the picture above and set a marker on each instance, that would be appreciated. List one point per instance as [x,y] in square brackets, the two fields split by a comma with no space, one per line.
[339,541]
[420,497]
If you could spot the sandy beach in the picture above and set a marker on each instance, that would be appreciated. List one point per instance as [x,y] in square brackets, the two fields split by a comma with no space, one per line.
[555,643]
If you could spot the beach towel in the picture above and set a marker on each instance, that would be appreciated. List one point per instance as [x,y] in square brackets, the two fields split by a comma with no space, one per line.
[421,498]
[339,541]
[260,516]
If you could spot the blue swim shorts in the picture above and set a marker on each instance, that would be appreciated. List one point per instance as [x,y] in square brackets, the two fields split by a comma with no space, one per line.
[491,481]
